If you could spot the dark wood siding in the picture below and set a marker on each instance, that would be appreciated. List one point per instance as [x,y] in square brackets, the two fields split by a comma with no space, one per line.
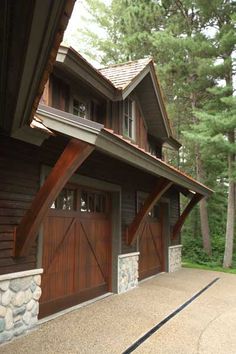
[141,131]
[60,94]
[19,182]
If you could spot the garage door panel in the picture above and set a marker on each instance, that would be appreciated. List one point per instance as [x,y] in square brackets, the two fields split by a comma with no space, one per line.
[58,258]
[89,268]
[97,235]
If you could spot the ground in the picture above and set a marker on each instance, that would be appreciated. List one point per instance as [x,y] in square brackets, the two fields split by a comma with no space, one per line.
[112,324]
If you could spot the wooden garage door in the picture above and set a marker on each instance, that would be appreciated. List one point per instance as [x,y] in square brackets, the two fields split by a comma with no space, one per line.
[76,249]
[150,245]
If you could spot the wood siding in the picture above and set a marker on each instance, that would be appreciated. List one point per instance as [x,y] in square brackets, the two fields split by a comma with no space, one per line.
[19,182]
[141,131]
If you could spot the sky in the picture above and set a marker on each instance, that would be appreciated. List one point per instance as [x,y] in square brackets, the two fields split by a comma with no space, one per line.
[77,22]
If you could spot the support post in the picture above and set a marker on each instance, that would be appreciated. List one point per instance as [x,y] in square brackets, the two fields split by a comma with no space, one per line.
[133,229]
[75,153]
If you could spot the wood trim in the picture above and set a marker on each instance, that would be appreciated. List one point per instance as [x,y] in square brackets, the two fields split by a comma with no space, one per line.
[132,231]
[72,157]
[193,201]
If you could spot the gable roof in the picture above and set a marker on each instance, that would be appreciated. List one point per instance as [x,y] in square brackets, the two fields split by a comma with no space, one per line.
[117,81]
[122,75]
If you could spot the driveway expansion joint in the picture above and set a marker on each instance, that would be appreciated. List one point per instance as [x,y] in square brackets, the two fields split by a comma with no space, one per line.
[154,329]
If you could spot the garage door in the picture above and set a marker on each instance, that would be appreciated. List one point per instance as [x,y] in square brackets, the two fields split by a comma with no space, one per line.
[150,245]
[76,249]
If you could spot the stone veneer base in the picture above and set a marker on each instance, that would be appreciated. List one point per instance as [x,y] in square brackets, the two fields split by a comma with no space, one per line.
[127,271]
[175,258]
[19,302]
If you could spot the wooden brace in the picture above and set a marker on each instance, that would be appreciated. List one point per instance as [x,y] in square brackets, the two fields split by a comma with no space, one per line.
[133,229]
[193,201]
[75,153]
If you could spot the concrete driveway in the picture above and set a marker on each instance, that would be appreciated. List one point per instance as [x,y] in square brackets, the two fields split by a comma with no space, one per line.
[111,325]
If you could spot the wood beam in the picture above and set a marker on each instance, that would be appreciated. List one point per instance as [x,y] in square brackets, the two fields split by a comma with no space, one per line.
[75,153]
[193,201]
[133,229]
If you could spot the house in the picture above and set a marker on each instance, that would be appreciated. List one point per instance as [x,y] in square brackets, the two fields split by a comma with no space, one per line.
[89,200]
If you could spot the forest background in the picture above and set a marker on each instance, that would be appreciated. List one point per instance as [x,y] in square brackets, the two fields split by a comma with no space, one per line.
[193,44]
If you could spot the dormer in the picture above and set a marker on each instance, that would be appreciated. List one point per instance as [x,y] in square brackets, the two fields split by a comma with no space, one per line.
[125,98]
[137,81]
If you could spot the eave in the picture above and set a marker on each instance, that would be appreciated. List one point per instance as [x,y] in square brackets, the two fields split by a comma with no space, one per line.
[74,64]
[31,32]
[115,146]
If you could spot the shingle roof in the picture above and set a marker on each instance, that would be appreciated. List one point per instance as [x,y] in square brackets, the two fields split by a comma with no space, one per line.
[121,75]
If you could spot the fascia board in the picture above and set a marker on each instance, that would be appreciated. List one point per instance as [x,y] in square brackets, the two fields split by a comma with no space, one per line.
[112,146]
[128,89]
[66,125]
[156,86]
[78,67]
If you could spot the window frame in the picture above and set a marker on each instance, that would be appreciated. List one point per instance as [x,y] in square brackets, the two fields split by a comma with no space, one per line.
[80,100]
[131,118]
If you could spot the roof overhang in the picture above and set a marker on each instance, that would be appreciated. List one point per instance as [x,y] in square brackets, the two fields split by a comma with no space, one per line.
[74,64]
[110,144]
[31,32]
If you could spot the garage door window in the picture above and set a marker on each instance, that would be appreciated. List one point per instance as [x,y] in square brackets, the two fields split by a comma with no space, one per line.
[66,200]
[93,202]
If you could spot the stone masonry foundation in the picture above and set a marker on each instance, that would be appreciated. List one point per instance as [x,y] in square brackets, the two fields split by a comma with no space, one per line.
[175,256]
[127,271]
[19,302]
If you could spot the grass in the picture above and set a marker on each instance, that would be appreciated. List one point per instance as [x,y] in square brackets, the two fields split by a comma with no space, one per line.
[187,264]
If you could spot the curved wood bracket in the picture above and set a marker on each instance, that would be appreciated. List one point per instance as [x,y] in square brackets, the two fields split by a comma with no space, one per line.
[75,153]
[193,201]
[133,229]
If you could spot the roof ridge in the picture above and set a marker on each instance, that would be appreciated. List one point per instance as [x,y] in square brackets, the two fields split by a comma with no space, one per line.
[148,59]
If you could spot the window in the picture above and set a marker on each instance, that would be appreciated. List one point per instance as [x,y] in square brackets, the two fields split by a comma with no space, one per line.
[129,118]
[79,108]
[66,200]
[92,202]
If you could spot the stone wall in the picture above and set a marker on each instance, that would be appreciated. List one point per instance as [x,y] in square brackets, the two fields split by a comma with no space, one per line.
[127,271]
[175,256]
[19,302]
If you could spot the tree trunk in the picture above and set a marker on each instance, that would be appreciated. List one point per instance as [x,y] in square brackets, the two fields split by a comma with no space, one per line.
[205,230]
[229,236]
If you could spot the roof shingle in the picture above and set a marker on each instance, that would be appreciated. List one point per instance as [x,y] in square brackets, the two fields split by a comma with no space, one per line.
[121,75]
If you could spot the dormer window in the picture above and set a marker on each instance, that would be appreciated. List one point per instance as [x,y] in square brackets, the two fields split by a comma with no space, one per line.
[79,108]
[129,119]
